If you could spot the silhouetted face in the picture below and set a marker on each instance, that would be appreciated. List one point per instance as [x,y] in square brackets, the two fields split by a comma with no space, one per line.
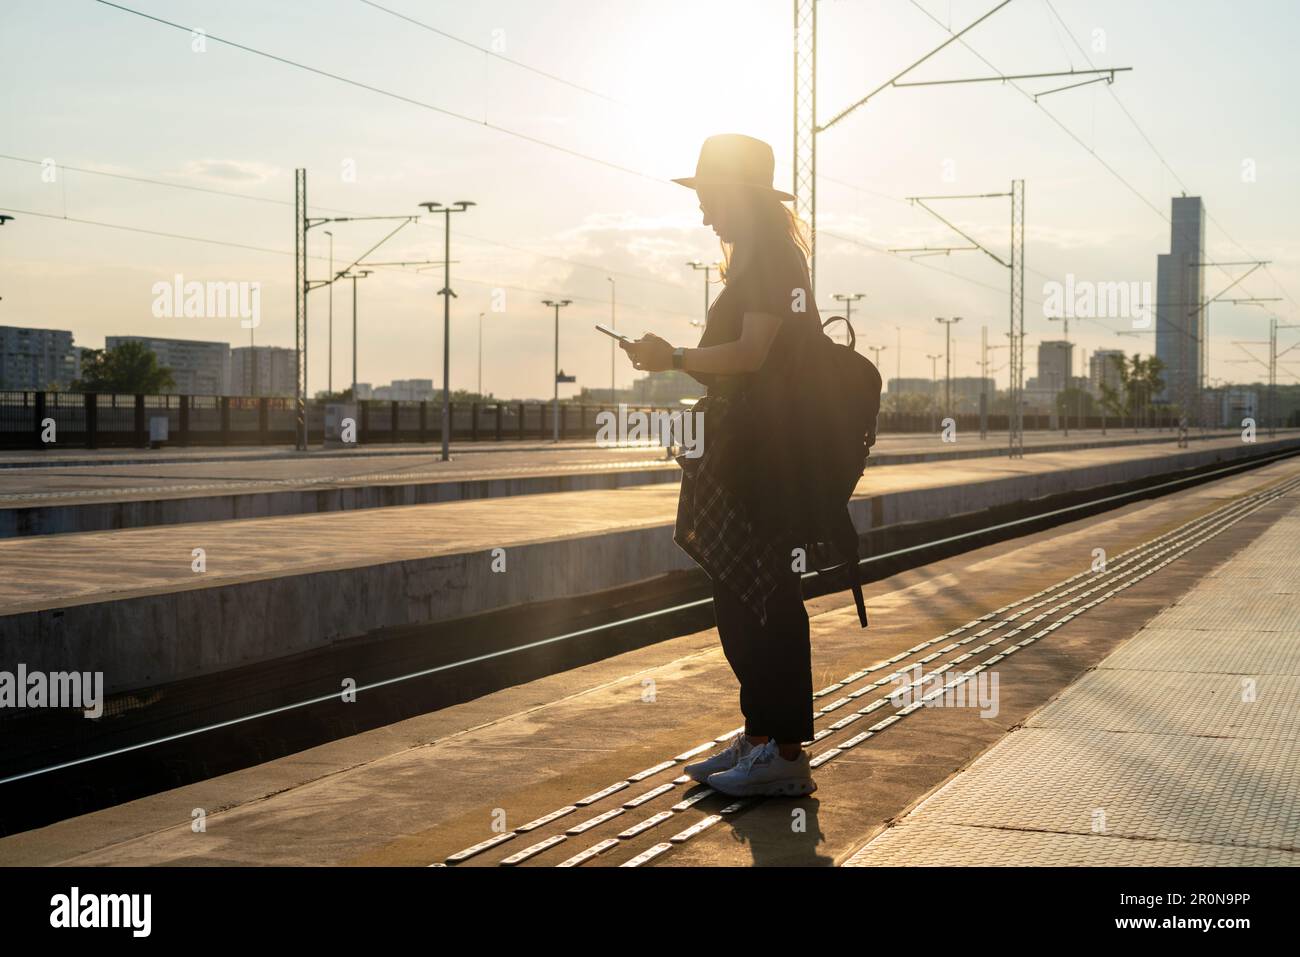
[723,209]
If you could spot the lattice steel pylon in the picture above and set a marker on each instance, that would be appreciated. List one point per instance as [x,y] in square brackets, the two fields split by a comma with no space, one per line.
[1015,420]
[804,159]
[1015,266]
[300,304]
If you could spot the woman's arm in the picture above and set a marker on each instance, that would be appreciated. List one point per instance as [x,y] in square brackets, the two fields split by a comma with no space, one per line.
[746,354]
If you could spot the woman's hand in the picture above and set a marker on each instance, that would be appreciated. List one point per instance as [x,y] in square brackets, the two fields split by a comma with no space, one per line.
[649,353]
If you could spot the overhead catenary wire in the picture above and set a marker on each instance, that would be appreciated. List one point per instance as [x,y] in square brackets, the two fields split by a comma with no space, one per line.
[1160,156]
[451,113]
[588,157]
[265,199]
[492,53]
[391,94]
[1079,141]
[232,194]
[289,252]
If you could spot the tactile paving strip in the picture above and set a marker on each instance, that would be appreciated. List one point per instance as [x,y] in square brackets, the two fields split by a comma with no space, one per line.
[1165,702]
[1155,787]
[1218,652]
[931,844]
[1187,762]
[1243,592]
[1259,613]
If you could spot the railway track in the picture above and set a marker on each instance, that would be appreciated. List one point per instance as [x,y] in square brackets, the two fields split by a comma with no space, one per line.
[999,633]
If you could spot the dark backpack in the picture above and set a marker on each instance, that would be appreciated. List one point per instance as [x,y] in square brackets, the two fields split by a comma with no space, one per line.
[813,409]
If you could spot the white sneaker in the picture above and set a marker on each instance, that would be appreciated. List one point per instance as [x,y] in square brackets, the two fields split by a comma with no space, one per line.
[763,772]
[726,759]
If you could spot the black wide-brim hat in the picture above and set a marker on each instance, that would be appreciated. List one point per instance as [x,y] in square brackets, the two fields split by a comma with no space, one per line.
[734,159]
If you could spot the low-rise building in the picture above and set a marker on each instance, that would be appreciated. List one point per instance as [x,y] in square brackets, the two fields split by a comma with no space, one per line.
[37,359]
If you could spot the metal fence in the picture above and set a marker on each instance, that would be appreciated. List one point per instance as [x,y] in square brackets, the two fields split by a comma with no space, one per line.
[74,419]
[88,420]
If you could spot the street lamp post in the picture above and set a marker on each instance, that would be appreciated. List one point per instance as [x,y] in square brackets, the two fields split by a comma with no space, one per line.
[848,300]
[898,351]
[613,352]
[708,268]
[458,207]
[557,304]
[480,355]
[4,218]
[934,386]
[947,363]
[354,275]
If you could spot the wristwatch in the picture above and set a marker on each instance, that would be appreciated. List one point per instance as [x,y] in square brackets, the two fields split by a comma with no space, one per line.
[679,356]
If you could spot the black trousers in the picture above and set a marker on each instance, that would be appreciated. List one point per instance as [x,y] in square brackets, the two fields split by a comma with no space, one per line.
[773,663]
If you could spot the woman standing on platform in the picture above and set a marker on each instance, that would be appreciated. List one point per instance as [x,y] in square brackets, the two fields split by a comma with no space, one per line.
[758,599]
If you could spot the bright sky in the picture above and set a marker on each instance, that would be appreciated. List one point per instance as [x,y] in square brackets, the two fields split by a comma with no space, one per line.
[635,84]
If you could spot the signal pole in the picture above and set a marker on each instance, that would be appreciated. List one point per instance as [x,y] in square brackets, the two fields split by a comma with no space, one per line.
[557,305]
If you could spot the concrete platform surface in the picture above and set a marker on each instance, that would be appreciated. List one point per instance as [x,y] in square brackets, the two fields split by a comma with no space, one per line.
[419,791]
[28,479]
[1180,748]
[59,571]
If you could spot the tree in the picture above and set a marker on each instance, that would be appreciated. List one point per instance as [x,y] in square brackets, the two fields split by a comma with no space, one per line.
[1152,381]
[1074,402]
[1142,381]
[1112,400]
[1112,403]
[130,367]
[905,403]
[324,395]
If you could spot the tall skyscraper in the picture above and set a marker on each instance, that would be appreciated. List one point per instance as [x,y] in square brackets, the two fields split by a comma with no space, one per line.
[1180,293]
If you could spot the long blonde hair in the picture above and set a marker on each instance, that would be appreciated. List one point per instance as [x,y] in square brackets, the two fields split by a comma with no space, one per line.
[773,227]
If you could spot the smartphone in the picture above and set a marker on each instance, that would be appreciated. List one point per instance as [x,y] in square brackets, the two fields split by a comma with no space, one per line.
[612,334]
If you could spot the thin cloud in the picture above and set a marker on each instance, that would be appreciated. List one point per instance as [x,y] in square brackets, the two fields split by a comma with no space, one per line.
[230,171]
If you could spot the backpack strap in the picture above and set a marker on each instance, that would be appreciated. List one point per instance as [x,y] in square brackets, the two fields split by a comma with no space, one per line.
[853,336]
[847,543]
[857,596]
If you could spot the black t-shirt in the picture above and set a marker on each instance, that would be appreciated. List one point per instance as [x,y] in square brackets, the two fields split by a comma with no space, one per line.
[774,284]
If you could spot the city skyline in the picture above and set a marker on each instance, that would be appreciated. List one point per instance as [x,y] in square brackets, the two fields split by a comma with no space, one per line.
[605,208]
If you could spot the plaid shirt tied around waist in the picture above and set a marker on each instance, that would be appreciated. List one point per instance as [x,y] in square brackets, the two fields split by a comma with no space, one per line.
[714,525]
